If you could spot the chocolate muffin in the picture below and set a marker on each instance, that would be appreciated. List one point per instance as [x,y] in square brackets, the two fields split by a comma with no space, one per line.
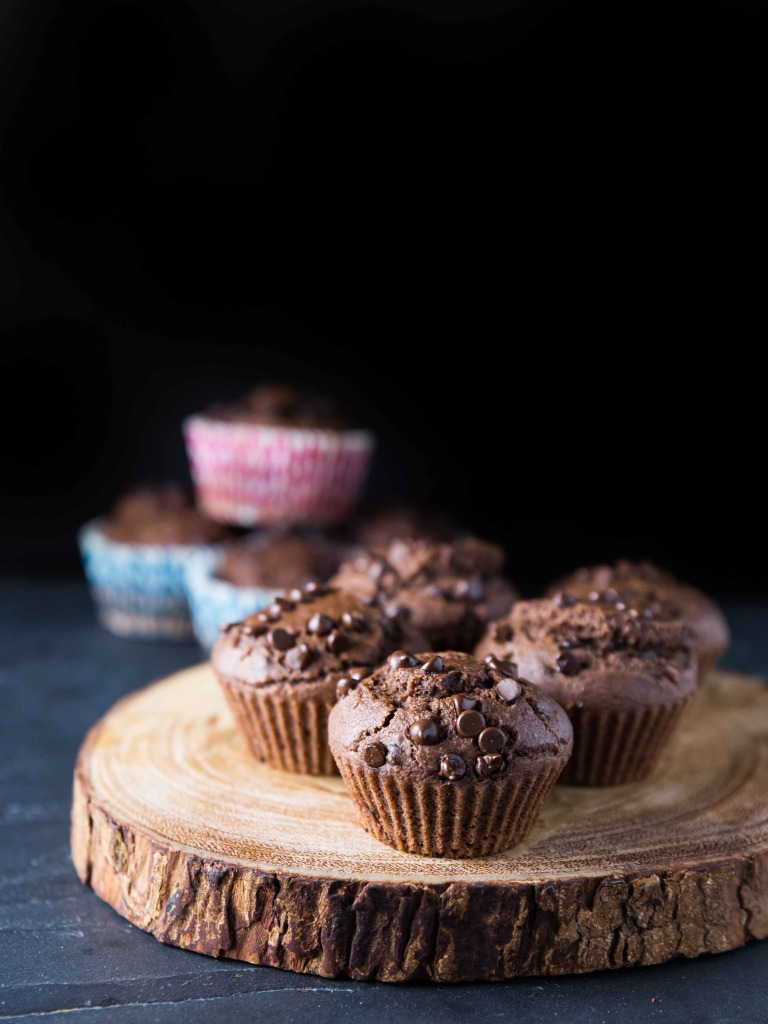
[623,676]
[446,756]
[160,514]
[251,573]
[136,557]
[444,593]
[279,561]
[280,670]
[644,584]
[278,456]
[400,520]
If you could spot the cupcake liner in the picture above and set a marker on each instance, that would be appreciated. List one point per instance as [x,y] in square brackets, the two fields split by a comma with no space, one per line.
[611,748]
[287,733]
[247,474]
[138,589]
[473,819]
[214,602]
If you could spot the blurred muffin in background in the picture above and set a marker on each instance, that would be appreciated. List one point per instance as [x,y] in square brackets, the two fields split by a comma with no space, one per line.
[398,519]
[228,585]
[135,558]
[628,583]
[278,456]
[443,593]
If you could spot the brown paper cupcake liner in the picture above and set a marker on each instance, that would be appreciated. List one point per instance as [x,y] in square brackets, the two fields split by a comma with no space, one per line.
[611,748]
[286,733]
[446,820]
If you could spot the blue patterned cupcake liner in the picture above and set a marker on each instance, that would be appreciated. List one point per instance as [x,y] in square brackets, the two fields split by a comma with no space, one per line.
[214,602]
[138,589]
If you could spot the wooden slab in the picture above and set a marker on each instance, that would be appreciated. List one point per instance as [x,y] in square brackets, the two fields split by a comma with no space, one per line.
[177,828]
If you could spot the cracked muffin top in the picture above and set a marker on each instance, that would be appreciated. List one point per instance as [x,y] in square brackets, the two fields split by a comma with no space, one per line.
[312,638]
[443,593]
[643,585]
[279,560]
[596,655]
[449,716]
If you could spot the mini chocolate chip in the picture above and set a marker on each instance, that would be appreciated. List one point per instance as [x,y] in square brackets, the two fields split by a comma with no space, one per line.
[402,659]
[296,595]
[343,687]
[425,732]
[282,639]
[285,604]
[453,681]
[565,644]
[320,625]
[620,606]
[460,589]
[475,590]
[594,595]
[434,664]
[489,764]
[354,620]
[433,590]
[359,673]
[649,655]
[275,612]
[610,596]
[496,664]
[564,599]
[633,613]
[462,702]
[491,740]
[299,657]
[569,663]
[502,631]
[369,599]
[375,755]
[375,569]
[470,723]
[452,767]
[338,642]
[316,588]
[508,689]
[648,613]
[254,631]
[262,617]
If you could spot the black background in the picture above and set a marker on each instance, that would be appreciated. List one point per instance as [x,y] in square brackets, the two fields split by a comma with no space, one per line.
[523,242]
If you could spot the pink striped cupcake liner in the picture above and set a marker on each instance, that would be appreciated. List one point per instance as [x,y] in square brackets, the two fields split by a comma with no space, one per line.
[246,474]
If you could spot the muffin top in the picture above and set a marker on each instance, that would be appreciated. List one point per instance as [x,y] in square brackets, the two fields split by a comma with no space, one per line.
[160,514]
[642,584]
[595,655]
[449,716]
[279,560]
[444,593]
[400,520]
[311,638]
[279,405]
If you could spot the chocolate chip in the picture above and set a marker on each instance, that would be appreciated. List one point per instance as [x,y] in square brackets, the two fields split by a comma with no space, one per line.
[491,740]
[402,659]
[470,723]
[425,732]
[565,644]
[569,663]
[359,673]
[564,599]
[313,590]
[320,625]
[452,767]
[433,590]
[375,569]
[488,765]
[375,755]
[258,630]
[496,664]
[502,631]
[460,590]
[649,655]
[282,639]
[343,687]
[296,595]
[594,595]
[610,596]
[434,664]
[355,621]
[508,689]
[275,612]
[337,642]
[262,617]
[475,590]
[299,657]
[462,702]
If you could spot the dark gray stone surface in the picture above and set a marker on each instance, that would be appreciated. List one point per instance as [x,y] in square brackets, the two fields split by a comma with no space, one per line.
[66,956]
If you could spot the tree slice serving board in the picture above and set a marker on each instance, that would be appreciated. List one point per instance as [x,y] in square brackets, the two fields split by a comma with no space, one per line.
[184,834]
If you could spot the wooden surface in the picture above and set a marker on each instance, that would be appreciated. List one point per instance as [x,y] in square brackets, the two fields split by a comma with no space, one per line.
[188,838]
